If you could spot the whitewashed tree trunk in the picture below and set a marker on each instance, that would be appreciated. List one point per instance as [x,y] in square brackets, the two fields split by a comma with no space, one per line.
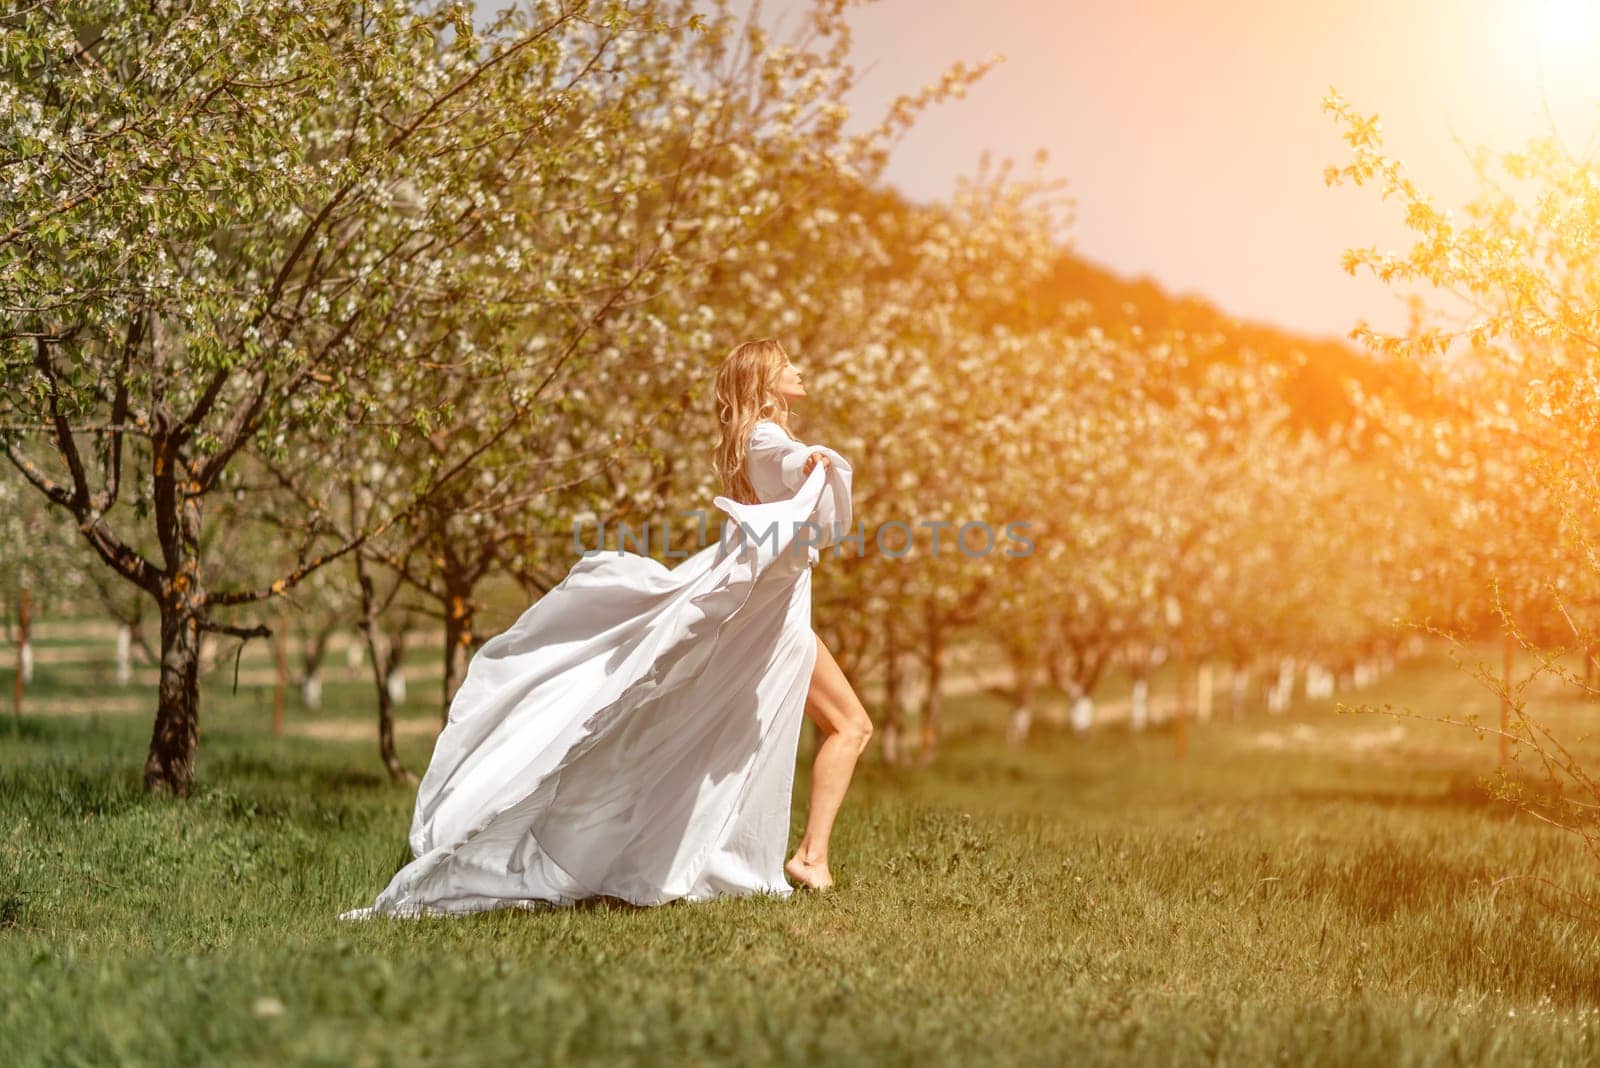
[1082,713]
[355,654]
[311,691]
[1017,726]
[1285,683]
[1239,692]
[1139,705]
[891,744]
[1055,713]
[1204,685]
[19,683]
[124,654]
[397,688]
[1313,682]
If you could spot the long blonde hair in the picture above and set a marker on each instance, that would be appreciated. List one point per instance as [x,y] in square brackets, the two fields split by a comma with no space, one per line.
[745,384]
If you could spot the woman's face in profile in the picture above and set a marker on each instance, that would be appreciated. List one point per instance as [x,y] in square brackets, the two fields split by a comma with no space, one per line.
[790,384]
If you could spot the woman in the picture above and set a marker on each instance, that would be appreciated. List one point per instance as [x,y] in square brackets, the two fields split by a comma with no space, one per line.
[633,734]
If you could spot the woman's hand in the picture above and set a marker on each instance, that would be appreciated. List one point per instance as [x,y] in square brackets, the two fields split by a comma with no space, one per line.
[811,461]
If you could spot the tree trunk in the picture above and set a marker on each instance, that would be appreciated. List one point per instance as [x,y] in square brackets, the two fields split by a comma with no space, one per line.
[311,658]
[386,747]
[397,683]
[933,703]
[893,684]
[1139,700]
[1082,714]
[1025,687]
[170,764]
[379,648]
[124,654]
[1204,690]
[1281,692]
[1181,708]
[24,647]
[394,679]
[280,689]
[457,643]
[1508,653]
[386,733]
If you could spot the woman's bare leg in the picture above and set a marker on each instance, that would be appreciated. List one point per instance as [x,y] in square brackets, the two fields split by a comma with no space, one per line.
[846,729]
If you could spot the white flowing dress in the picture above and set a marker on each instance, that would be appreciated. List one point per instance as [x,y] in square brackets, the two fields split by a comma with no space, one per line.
[633,735]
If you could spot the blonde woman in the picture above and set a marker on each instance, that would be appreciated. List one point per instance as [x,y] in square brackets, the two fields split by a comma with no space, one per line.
[633,734]
[761,461]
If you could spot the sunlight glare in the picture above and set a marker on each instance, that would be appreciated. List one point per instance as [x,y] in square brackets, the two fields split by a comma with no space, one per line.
[1567,29]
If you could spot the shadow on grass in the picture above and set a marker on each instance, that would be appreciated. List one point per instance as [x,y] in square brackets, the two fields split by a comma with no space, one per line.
[1467,793]
[55,790]
[1481,927]
[613,904]
[1380,884]
[1461,793]
[233,767]
[232,789]
[28,728]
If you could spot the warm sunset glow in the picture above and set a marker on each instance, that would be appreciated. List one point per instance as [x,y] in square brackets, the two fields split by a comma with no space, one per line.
[1567,29]
[1142,147]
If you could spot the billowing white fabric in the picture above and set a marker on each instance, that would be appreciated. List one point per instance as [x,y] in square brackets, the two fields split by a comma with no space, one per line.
[634,733]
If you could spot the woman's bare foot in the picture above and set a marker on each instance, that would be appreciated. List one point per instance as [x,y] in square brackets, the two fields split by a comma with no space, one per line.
[813,875]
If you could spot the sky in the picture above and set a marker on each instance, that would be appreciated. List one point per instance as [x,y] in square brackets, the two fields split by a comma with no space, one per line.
[1192,133]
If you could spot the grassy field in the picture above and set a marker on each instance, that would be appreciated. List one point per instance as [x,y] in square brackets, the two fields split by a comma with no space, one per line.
[1317,888]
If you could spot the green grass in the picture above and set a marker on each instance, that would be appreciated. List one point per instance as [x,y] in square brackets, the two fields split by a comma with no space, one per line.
[1087,900]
